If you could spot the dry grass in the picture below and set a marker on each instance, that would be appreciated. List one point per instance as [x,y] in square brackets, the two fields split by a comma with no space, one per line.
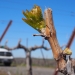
[3,72]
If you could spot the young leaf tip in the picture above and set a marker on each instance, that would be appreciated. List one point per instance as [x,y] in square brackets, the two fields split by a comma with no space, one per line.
[34,18]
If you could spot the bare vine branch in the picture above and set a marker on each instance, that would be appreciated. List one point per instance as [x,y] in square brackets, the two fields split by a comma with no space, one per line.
[16,47]
[38,47]
[19,45]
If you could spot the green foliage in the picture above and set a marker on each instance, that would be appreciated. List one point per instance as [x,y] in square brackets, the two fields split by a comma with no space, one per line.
[34,18]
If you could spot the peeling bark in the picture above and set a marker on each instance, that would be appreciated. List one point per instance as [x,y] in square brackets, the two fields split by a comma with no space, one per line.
[28,63]
[52,39]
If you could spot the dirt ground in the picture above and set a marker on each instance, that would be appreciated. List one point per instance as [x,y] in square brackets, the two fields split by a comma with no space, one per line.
[22,71]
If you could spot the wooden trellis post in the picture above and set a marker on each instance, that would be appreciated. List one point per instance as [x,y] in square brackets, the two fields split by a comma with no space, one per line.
[9,24]
[71,39]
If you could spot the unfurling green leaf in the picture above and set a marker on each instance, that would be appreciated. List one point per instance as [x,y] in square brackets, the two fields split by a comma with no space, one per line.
[34,18]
